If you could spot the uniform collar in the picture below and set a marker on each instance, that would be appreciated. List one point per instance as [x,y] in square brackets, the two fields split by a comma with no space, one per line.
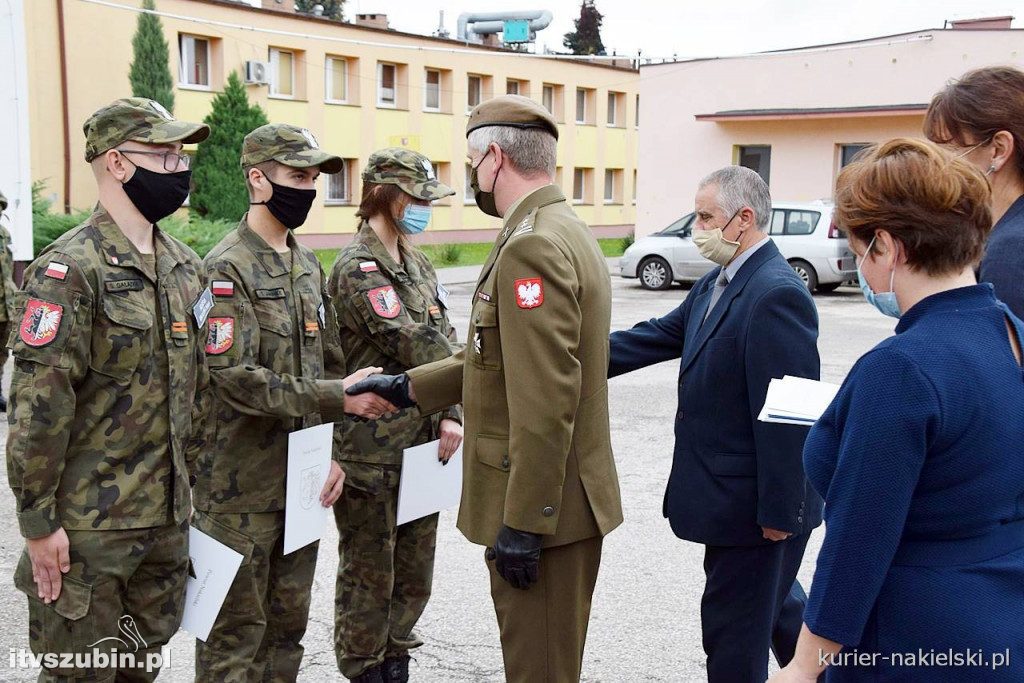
[273,262]
[375,249]
[119,251]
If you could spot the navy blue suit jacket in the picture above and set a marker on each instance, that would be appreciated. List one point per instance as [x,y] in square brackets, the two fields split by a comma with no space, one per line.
[732,475]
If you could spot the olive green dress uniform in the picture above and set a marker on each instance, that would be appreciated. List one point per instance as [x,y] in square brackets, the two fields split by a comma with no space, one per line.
[7,289]
[537,451]
[108,394]
[395,317]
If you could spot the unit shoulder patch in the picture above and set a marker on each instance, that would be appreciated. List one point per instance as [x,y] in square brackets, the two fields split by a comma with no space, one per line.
[529,292]
[221,336]
[385,301]
[41,322]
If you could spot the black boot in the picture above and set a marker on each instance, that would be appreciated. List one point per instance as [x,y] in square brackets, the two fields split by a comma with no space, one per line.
[372,675]
[396,669]
[3,404]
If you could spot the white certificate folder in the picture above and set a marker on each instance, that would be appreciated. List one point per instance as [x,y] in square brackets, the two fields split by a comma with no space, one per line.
[426,485]
[796,400]
[309,463]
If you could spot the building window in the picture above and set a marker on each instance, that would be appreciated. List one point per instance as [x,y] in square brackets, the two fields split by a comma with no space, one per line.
[338,189]
[548,98]
[757,158]
[511,87]
[635,188]
[552,98]
[848,152]
[387,85]
[194,61]
[432,90]
[581,105]
[581,191]
[637,121]
[282,73]
[468,195]
[615,101]
[475,89]
[336,85]
[613,186]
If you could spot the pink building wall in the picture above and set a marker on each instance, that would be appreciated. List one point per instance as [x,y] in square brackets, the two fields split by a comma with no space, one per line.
[676,150]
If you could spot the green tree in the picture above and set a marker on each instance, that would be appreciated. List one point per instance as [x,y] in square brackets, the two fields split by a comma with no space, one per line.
[220,191]
[333,9]
[150,71]
[586,39]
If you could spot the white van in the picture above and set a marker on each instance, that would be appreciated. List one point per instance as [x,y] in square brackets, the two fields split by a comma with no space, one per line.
[803,232]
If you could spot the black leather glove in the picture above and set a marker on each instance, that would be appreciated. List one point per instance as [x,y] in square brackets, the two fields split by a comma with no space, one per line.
[394,388]
[517,556]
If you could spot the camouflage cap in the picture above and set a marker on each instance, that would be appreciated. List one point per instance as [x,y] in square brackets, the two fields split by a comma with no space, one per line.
[139,119]
[288,145]
[511,110]
[410,170]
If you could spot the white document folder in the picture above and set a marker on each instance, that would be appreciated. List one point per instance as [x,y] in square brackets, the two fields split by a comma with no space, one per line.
[212,570]
[426,485]
[796,400]
[309,463]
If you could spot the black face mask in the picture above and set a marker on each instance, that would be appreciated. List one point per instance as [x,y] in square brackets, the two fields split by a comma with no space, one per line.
[288,205]
[157,195]
[484,200]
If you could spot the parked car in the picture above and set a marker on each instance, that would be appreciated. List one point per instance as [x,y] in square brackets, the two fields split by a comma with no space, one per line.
[803,232]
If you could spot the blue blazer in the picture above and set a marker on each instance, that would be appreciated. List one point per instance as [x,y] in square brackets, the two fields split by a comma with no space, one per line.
[732,475]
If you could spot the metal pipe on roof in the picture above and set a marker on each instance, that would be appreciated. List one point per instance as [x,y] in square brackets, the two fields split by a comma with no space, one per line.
[471,25]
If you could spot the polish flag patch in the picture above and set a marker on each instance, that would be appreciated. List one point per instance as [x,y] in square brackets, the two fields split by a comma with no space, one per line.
[368,266]
[56,270]
[41,322]
[221,335]
[223,288]
[529,292]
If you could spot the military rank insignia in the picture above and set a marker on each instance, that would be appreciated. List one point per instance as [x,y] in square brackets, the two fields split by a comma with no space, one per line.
[41,323]
[221,335]
[385,301]
[529,292]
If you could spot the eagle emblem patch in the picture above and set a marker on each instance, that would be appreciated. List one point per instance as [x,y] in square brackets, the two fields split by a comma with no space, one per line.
[221,335]
[385,301]
[529,292]
[41,322]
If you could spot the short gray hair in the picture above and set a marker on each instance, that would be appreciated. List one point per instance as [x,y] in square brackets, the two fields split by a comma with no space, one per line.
[738,187]
[530,150]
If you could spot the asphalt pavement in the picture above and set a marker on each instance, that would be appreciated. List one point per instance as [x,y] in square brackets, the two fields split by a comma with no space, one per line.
[645,624]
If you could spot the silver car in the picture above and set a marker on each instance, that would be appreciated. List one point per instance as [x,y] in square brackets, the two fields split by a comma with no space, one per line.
[803,232]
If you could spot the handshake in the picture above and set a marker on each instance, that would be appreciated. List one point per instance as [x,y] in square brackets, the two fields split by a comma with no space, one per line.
[370,394]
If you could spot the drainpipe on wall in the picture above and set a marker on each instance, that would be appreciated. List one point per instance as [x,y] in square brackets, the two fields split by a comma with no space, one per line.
[64,107]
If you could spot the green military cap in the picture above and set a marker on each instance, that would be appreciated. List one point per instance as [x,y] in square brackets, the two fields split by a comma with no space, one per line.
[410,170]
[511,110]
[288,145]
[139,119]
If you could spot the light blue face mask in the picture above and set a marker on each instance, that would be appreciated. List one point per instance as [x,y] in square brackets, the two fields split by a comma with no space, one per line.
[885,302]
[414,219]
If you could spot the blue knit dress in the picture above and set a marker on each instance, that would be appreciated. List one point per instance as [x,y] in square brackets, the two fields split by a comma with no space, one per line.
[920,460]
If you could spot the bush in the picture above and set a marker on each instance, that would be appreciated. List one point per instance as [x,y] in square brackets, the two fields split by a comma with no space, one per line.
[46,226]
[627,241]
[201,234]
[450,253]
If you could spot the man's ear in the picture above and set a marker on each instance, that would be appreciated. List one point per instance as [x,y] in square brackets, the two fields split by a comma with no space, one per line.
[115,164]
[748,221]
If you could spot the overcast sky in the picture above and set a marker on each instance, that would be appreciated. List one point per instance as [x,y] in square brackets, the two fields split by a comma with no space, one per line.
[695,28]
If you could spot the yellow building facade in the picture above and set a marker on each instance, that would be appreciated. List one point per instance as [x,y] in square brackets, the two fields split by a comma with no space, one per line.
[357,88]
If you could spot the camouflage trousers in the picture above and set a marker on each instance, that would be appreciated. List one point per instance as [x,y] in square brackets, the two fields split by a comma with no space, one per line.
[256,635]
[384,570]
[125,592]
[5,329]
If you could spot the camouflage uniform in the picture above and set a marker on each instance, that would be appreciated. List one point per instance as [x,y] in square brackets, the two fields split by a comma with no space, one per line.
[392,316]
[108,396]
[272,341]
[7,290]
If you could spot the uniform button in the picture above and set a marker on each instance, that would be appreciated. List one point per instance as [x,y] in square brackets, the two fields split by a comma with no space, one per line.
[679,415]
[800,519]
[548,511]
[505,463]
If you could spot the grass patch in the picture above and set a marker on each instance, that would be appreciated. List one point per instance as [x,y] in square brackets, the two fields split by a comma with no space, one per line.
[467,253]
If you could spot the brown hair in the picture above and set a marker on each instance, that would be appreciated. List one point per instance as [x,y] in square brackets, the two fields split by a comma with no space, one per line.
[380,198]
[977,106]
[933,204]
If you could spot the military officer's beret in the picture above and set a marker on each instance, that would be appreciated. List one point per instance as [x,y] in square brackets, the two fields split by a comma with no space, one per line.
[288,145]
[139,119]
[512,110]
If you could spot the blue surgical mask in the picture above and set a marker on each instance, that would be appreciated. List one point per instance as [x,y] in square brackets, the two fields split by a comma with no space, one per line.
[885,302]
[414,219]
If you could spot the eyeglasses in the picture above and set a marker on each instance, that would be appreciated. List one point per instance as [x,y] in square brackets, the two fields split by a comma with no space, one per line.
[967,151]
[172,160]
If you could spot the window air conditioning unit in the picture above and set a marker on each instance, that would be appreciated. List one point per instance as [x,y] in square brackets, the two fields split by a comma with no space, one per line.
[257,73]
